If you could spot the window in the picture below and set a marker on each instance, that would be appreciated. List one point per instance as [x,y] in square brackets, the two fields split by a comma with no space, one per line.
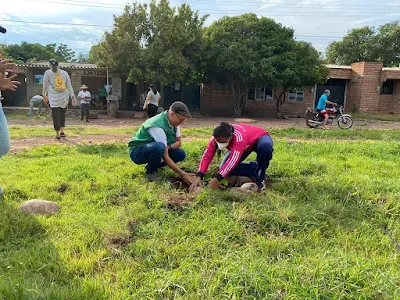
[260,94]
[295,96]
[387,87]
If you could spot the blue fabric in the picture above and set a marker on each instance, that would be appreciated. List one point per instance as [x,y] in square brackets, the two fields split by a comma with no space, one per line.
[4,135]
[322,102]
[4,138]
[152,153]
[264,149]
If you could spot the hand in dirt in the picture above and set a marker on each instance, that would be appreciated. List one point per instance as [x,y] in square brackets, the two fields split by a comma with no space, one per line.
[188,178]
[8,83]
[195,184]
[214,184]
[7,65]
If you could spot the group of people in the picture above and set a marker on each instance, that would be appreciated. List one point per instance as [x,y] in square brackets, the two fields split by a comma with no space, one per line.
[158,143]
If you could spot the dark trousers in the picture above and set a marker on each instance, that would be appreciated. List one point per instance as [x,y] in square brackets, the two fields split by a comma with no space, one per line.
[85,110]
[58,115]
[152,110]
[152,153]
[264,149]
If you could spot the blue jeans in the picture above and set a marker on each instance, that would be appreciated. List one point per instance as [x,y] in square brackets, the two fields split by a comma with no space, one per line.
[152,153]
[264,148]
[4,137]
[34,102]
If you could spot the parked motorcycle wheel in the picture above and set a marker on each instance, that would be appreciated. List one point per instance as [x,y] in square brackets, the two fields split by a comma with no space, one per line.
[345,122]
[312,121]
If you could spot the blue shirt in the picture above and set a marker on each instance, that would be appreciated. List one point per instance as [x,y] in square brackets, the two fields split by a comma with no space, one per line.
[322,102]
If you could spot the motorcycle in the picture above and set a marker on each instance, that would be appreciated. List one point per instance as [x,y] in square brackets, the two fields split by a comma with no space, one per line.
[315,119]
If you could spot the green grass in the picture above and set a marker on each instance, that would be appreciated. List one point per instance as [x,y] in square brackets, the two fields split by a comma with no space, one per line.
[380,117]
[316,233]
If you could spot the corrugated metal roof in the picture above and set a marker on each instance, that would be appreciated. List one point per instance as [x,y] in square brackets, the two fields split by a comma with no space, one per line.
[62,65]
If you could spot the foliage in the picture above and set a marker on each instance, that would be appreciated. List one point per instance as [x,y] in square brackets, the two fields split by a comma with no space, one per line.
[368,44]
[154,42]
[27,52]
[245,51]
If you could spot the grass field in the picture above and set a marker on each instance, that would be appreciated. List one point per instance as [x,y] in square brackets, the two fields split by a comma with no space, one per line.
[327,228]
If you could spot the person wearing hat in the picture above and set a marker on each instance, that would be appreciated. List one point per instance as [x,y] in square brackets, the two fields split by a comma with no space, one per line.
[158,142]
[57,91]
[84,97]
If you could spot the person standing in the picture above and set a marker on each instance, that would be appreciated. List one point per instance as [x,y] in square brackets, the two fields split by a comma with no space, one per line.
[35,100]
[152,101]
[85,97]
[57,90]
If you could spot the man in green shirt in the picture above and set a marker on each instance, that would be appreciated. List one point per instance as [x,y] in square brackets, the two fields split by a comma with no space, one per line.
[158,142]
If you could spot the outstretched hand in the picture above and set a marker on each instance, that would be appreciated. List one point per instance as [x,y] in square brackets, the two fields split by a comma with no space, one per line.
[8,83]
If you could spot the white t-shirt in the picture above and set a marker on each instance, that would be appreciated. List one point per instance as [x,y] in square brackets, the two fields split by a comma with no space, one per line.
[154,98]
[84,94]
[158,134]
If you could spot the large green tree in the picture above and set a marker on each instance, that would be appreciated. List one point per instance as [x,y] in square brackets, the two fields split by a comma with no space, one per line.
[245,50]
[155,42]
[368,44]
[28,52]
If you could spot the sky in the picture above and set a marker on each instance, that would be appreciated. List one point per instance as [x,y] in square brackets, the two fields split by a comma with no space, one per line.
[317,21]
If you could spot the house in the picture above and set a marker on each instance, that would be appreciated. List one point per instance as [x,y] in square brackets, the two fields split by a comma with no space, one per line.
[128,94]
[363,87]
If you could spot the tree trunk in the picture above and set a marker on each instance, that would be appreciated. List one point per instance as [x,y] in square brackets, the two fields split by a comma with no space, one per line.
[239,95]
[279,103]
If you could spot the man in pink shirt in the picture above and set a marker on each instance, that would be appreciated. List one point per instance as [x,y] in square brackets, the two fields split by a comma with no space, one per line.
[240,140]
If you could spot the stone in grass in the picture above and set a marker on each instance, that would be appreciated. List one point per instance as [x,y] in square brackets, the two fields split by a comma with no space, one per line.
[245,188]
[39,207]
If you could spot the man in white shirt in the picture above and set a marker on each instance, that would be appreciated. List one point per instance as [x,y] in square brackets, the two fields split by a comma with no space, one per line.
[84,97]
[36,100]
[57,90]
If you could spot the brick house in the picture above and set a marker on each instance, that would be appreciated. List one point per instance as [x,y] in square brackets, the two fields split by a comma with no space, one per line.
[363,87]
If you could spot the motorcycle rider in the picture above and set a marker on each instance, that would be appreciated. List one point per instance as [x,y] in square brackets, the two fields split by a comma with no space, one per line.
[321,108]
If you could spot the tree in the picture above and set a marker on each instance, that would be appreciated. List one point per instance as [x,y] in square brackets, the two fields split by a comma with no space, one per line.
[155,42]
[300,67]
[27,52]
[64,53]
[81,58]
[245,50]
[368,44]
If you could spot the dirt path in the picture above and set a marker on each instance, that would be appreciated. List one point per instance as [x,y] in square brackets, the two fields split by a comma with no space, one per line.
[19,144]
[107,122]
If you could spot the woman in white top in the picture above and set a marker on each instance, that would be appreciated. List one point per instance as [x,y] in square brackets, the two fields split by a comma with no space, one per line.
[85,97]
[152,101]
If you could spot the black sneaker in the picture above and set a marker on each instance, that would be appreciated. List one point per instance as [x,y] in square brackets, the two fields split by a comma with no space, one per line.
[261,185]
[57,138]
[63,135]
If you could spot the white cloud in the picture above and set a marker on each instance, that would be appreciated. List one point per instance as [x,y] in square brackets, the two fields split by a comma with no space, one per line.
[269,3]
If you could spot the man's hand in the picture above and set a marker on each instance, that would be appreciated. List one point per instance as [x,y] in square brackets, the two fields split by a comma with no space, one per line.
[8,83]
[188,178]
[7,65]
[334,104]
[196,183]
[74,101]
[214,184]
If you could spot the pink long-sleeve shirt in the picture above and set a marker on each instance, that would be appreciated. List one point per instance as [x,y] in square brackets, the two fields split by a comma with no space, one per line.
[243,139]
